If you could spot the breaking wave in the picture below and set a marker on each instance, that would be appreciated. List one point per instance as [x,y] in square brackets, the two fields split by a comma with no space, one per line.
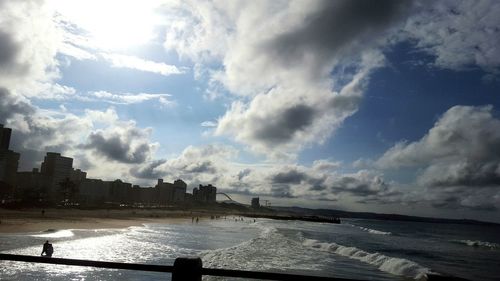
[372,231]
[477,243]
[264,252]
[396,266]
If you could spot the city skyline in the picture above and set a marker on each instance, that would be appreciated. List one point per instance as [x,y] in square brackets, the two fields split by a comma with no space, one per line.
[390,107]
[58,183]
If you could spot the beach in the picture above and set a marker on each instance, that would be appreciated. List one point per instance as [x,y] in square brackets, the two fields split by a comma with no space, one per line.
[32,220]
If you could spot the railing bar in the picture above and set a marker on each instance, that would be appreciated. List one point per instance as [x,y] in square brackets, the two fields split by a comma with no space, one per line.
[77,262]
[265,275]
[204,271]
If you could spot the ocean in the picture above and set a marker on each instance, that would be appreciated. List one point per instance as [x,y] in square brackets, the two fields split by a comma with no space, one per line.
[361,249]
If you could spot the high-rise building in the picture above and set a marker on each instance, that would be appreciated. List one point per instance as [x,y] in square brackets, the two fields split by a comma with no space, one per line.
[168,193]
[4,137]
[205,193]
[9,160]
[57,168]
[179,191]
[255,203]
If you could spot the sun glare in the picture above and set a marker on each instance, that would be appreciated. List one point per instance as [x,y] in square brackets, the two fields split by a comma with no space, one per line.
[111,24]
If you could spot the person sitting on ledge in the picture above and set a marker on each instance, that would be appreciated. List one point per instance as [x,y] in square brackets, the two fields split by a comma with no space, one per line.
[47,249]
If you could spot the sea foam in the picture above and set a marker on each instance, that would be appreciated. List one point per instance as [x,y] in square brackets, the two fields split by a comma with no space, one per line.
[396,266]
[372,231]
[477,243]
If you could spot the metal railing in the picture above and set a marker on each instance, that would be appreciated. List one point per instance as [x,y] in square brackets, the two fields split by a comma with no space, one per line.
[190,269]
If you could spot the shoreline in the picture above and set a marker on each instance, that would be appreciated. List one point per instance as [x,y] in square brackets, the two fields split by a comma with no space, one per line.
[29,220]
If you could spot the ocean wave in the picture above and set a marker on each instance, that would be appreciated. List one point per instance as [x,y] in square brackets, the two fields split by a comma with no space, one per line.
[396,266]
[264,252]
[477,243]
[54,233]
[372,231]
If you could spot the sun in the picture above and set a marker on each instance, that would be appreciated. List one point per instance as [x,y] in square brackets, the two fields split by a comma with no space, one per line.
[111,24]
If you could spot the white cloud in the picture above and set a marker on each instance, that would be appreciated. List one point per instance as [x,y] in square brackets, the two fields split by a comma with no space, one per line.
[28,42]
[458,157]
[127,98]
[75,52]
[278,58]
[208,124]
[287,118]
[141,64]
[460,34]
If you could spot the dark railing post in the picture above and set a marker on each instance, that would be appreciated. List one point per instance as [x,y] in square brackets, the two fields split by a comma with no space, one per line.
[187,269]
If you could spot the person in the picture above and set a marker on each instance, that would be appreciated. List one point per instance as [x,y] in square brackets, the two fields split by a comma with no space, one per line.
[47,249]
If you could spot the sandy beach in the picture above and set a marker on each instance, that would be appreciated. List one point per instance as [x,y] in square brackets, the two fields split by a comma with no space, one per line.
[32,220]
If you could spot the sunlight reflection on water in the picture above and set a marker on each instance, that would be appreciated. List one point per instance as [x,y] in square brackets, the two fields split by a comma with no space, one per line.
[131,246]
[56,234]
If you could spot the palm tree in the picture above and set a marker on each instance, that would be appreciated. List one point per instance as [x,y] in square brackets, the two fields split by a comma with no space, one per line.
[69,190]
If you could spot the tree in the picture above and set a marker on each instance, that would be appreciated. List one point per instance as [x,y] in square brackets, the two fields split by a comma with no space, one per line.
[69,190]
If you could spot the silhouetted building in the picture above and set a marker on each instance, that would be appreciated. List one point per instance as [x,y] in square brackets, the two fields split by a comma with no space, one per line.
[9,160]
[32,186]
[4,137]
[168,193]
[94,191]
[179,191]
[119,192]
[205,193]
[57,168]
[255,202]
[77,175]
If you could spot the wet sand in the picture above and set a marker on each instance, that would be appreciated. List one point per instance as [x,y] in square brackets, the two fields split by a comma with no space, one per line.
[32,220]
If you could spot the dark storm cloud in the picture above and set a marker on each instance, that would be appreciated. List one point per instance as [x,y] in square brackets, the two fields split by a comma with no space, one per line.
[149,170]
[281,190]
[455,202]
[20,140]
[8,50]
[10,106]
[283,127]
[114,148]
[243,173]
[289,177]
[359,187]
[336,25]
[471,174]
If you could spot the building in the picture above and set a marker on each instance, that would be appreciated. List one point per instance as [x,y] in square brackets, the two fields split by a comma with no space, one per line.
[56,168]
[119,192]
[168,193]
[179,194]
[32,186]
[77,176]
[255,203]
[205,193]
[5,137]
[94,191]
[164,192]
[9,162]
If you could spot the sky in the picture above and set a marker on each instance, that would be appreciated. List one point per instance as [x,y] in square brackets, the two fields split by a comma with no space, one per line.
[381,106]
